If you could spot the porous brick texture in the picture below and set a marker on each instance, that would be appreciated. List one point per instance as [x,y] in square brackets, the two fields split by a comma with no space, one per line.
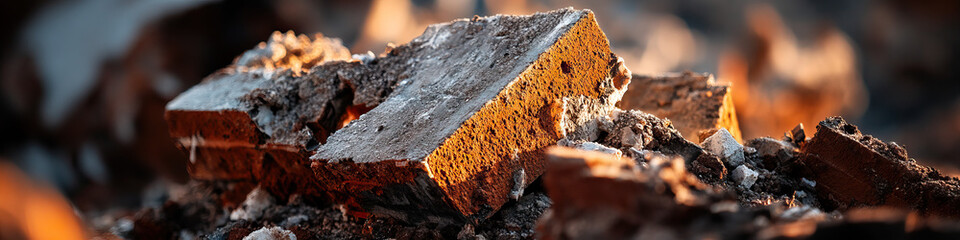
[851,170]
[478,106]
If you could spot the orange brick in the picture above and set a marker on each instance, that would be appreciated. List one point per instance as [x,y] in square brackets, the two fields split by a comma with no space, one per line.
[477,110]
[241,124]
[224,126]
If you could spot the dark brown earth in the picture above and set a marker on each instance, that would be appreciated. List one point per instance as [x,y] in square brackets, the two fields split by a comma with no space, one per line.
[200,213]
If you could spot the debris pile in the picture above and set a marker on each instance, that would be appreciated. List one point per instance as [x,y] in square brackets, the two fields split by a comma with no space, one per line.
[607,193]
[447,137]
[602,196]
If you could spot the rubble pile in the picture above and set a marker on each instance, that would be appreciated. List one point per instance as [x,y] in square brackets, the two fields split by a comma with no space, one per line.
[447,137]
[603,196]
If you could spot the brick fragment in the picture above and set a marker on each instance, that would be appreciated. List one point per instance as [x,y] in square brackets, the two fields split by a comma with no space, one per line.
[694,102]
[479,104]
[261,117]
[851,169]
[602,196]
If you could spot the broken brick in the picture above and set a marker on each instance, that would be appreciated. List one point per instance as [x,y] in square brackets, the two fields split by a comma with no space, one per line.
[582,184]
[478,105]
[693,102]
[744,176]
[851,169]
[225,125]
[602,196]
[262,117]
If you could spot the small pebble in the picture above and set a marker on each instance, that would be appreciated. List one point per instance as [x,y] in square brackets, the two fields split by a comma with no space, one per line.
[745,176]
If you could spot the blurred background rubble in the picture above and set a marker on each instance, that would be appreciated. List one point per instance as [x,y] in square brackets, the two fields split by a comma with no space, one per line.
[84,82]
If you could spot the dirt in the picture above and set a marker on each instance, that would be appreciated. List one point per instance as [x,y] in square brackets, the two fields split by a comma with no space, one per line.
[203,213]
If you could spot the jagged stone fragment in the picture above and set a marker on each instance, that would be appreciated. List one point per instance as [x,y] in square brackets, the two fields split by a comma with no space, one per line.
[851,169]
[694,102]
[480,102]
[744,176]
[723,144]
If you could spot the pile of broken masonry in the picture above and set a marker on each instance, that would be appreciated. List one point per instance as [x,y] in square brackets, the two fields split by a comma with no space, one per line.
[514,127]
